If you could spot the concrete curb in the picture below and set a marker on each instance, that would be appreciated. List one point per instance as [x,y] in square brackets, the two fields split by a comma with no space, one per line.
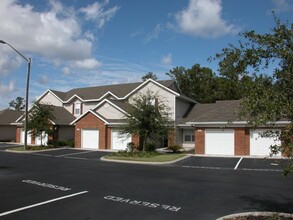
[34,151]
[146,163]
[255,214]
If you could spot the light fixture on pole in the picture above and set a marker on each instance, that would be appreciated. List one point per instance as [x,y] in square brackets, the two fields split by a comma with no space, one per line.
[28,60]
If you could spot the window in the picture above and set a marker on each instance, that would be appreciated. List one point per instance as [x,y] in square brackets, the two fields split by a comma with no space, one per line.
[77,108]
[188,135]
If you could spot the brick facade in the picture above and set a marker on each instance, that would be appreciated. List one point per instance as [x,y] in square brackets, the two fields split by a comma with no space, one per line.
[90,121]
[18,134]
[199,141]
[171,138]
[241,142]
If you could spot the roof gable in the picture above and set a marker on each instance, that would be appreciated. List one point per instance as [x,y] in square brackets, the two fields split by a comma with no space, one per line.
[118,91]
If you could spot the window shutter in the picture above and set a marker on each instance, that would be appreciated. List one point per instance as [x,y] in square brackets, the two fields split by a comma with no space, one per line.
[81,107]
[73,108]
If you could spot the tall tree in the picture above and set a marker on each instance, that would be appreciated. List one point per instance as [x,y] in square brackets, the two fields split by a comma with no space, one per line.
[269,58]
[17,104]
[39,120]
[149,75]
[149,119]
[198,82]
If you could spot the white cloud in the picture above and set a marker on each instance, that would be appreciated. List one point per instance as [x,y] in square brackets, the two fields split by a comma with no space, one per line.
[7,89]
[56,34]
[203,18]
[167,60]
[66,70]
[282,6]
[88,64]
[154,34]
[8,62]
[43,80]
[98,13]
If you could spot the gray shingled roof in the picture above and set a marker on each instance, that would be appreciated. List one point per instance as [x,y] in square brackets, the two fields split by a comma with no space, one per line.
[119,90]
[61,116]
[8,116]
[221,111]
[123,105]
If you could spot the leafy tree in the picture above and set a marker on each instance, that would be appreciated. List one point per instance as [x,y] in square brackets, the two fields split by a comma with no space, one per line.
[39,120]
[269,58]
[148,118]
[198,82]
[17,104]
[149,75]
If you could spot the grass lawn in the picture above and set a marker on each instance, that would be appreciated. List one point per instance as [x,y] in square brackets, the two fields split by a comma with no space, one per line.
[144,157]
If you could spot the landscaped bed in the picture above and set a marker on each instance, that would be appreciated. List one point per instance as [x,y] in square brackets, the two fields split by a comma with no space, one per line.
[259,216]
[144,156]
[32,148]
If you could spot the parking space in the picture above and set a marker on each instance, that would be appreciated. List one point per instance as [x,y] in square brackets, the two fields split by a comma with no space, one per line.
[36,185]
[248,164]
[73,153]
[4,146]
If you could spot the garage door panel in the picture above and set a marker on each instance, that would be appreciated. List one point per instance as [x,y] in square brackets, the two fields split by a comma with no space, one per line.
[120,141]
[90,138]
[260,146]
[219,141]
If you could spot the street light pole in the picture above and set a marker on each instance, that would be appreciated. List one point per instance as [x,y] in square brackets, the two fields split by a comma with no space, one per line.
[28,60]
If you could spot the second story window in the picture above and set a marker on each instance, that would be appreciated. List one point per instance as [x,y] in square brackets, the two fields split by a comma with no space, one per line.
[77,108]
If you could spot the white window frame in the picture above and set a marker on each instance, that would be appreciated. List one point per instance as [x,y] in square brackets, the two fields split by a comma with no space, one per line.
[190,133]
[77,108]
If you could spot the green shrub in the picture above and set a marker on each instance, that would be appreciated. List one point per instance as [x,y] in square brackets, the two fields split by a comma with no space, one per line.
[174,148]
[150,147]
[136,154]
[61,143]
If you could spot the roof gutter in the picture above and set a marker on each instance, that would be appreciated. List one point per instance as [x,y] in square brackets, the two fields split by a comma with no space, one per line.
[232,123]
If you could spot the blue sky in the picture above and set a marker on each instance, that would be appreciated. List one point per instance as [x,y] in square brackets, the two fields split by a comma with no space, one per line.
[76,43]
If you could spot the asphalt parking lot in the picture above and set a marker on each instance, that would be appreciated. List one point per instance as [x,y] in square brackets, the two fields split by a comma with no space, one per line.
[76,184]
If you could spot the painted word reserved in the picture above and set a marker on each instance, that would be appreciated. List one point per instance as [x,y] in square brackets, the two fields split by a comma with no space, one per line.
[47,185]
[142,203]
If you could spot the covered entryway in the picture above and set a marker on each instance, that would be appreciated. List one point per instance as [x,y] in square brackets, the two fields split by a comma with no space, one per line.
[119,141]
[90,138]
[260,146]
[219,141]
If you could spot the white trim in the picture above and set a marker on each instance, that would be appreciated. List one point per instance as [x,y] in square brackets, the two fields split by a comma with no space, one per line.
[156,83]
[107,93]
[89,111]
[50,91]
[111,103]
[233,123]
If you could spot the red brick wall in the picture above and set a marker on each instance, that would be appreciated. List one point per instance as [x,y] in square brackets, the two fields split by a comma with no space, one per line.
[18,133]
[199,141]
[171,137]
[135,139]
[241,141]
[108,138]
[90,121]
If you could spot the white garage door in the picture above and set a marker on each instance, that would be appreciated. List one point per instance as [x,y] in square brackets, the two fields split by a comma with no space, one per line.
[219,141]
[29,138]
[260,146]
[119,142]
[90,138]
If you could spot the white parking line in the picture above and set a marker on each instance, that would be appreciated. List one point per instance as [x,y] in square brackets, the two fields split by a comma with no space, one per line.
[83,152]
[239,161]
[41,203]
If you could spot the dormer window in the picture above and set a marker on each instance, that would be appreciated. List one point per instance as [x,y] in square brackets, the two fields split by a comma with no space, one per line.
[77,109]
